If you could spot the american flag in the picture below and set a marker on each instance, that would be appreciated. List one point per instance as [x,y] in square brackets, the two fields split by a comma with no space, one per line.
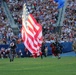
[31,32]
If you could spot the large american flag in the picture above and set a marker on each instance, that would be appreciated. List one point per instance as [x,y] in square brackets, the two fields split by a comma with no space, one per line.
[31,32]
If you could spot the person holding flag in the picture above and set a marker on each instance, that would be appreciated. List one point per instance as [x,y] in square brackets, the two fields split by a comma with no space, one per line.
[43,47]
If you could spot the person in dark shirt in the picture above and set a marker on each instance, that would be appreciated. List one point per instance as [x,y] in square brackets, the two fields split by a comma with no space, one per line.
[43,50]
[12,51]
[58,49]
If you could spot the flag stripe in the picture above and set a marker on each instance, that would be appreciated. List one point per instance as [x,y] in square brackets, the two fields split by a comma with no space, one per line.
[32,39]
[27,42]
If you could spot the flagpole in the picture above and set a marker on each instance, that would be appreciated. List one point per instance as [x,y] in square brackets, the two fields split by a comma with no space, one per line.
[61,18]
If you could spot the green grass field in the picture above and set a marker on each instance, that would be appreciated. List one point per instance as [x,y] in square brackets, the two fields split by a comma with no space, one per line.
[38,66]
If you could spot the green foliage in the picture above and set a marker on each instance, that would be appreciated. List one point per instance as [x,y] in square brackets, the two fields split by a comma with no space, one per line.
[38,66]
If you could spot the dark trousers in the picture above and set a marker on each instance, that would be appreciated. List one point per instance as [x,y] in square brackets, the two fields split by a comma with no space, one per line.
[43,54]
[11,55]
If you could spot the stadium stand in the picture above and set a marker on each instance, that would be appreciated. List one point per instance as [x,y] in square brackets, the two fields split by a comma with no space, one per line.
[46,13]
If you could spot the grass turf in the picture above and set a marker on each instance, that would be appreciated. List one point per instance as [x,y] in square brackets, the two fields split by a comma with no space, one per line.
[38,66]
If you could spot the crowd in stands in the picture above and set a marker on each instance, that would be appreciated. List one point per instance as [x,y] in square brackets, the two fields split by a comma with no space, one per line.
[69,25]
[5,29]
[46,13]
